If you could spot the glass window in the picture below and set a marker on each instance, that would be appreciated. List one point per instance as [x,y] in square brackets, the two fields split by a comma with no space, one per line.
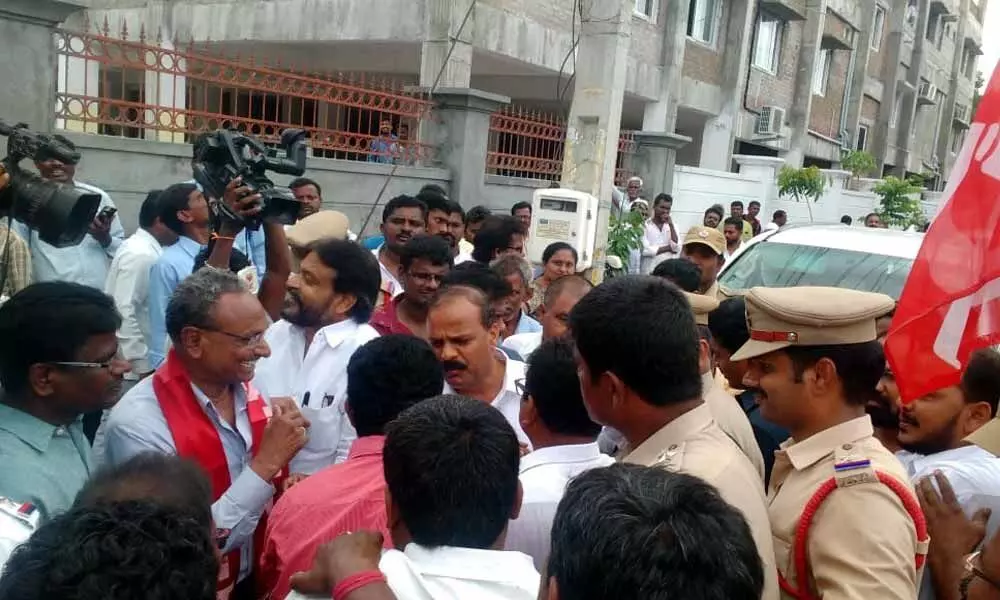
[703,17]
[646,8]
[878,28]
[821,72]
[768,44]
[862,138]
[775,264]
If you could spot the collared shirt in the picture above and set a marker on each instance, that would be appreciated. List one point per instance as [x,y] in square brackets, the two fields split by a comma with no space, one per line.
[43,464]
[423,573]
[732,421]
[250,243]
[385,320]
[971,471]
[136,424]
[128,284]
[86,263]
[463,257]
[465,247]
[175,263]
[693,444]
[768,435]
[345,497]
[727,254]
[16,261]
[544,476]
[507,400]
[322,373]
[390,286]
[526,324]
[862,541]
[523,343]
[655,236]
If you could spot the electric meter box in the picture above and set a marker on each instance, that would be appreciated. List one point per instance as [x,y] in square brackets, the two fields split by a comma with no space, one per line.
[563,215]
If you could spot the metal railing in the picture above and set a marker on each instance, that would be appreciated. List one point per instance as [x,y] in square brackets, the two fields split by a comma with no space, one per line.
[162,90]
[530,144]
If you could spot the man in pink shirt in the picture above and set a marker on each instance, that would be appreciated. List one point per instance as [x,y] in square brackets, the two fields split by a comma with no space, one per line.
[384,377]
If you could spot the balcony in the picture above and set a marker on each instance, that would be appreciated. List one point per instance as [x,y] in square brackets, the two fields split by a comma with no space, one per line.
[837,34]
[785,10]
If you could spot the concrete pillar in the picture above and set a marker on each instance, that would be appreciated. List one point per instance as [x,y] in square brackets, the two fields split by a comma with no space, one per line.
[464,139]
[944,127]
[720,130]
[443,20]
[893,47]
[657,157]
[798,114]
[764,169]
[908,112]
[862,52]
[661,116]
[27,81]
[595,114]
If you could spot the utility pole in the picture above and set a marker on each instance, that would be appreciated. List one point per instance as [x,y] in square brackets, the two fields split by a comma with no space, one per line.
[595,115]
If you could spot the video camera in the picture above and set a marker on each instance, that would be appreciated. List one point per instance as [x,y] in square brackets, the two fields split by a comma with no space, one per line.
[224,155]
[59,212]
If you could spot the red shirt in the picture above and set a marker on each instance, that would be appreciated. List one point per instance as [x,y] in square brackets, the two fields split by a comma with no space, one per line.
[341,498]
[385,320]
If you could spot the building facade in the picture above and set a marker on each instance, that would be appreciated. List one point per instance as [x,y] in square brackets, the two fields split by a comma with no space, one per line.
[804,80]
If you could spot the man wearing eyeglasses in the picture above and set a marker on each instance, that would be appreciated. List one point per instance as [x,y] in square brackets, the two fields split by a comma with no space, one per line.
[424,261]
[58,360]
[199,405]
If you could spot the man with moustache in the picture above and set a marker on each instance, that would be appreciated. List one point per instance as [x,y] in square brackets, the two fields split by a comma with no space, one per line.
[445,218]
[463,329]
[199,405]
[883,406]
[325,319]
[425,261]
[402,218]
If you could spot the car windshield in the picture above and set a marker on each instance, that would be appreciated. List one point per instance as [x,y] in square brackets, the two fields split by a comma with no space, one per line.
[775,264]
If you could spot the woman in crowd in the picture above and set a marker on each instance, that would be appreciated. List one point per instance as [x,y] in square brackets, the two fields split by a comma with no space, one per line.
[558,260]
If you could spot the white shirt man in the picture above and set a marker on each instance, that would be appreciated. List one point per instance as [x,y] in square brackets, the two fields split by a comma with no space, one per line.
[508,400]
[654,237]
[128,284]
[317,379]
[523,343]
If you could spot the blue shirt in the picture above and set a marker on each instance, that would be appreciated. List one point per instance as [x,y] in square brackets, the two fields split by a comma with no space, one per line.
[43,464]
[527,325]
[373,242]
[86,263]
[136,424]
[383,149]
[248,242]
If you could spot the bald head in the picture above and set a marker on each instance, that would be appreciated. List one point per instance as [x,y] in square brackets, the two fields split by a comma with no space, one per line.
[571,285]
[560,298]
[448,297]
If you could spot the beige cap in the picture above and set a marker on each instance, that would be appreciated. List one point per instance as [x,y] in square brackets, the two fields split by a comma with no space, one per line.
[987,437]
[317,226]
[809,316]
[707,236]
[701,305]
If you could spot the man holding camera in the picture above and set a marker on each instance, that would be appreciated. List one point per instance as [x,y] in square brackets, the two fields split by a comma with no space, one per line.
[87,262]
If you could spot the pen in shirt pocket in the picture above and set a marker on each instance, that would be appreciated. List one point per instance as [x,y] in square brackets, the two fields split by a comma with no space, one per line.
[305,400]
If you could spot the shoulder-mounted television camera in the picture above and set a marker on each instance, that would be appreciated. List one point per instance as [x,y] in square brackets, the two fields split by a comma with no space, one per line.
[59,212]
[224,155]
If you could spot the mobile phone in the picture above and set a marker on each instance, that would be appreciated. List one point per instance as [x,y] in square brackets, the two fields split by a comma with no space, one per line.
[107,213]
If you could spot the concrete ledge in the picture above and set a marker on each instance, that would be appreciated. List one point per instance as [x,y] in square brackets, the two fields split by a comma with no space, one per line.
[42,12]
[661,139]
[517,181]
[758,161]
[467,98]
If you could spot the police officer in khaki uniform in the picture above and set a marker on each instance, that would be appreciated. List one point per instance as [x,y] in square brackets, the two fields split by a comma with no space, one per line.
[639,373]
[704,246]
[814,358]
[726,411]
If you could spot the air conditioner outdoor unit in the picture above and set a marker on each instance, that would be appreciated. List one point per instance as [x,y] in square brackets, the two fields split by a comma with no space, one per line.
[769,121]
[962,113]
[927,94]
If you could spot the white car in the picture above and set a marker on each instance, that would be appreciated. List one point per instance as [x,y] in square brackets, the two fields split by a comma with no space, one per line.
[859,258]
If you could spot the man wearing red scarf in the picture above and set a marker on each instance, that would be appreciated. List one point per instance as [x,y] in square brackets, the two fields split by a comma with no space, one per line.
[199,405]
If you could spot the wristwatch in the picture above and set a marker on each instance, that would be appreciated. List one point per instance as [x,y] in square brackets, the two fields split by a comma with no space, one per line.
[973,570]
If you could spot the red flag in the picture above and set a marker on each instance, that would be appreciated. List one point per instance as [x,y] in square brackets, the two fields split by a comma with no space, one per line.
[950,305]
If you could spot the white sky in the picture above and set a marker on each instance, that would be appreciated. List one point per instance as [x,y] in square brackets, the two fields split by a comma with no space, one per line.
[991,41]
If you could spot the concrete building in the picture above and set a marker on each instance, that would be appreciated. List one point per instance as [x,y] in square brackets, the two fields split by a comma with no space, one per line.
[799,79]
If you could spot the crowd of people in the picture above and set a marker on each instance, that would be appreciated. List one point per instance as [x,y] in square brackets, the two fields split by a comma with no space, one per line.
[203,410]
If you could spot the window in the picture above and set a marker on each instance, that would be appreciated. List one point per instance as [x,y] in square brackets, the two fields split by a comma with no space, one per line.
[862,141]
[897,107]
[703,18]
[821,72]
[646,9]
[957,139]
[768,45]
[878,28]
[932,28]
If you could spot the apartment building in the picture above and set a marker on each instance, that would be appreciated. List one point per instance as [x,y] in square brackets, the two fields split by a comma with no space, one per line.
[800,79]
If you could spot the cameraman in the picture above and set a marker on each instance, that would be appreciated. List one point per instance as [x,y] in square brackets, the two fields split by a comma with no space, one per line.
[86,263]
[15,258]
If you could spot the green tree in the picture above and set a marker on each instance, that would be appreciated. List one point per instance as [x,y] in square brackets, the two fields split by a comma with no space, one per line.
[806,184]
[898,205]
[859,163]
[977,94]
[625,234]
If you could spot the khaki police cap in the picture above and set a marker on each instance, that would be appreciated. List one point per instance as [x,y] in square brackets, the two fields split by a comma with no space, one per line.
[317,226]
[707,236]
[701,305]
[809,316]
[987,437]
